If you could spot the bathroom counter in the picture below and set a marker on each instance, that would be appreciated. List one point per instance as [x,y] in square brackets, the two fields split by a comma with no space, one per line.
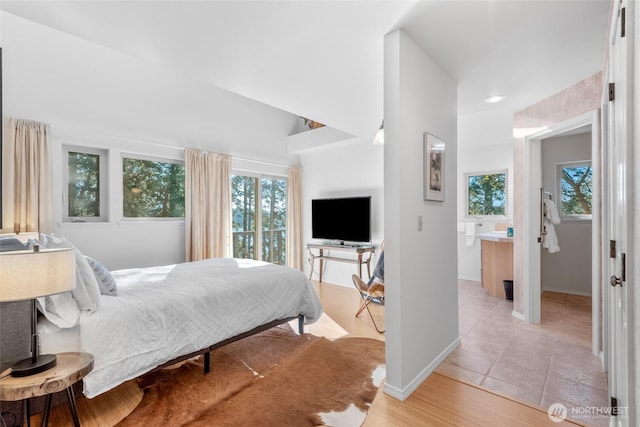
[495,236]
[496,251]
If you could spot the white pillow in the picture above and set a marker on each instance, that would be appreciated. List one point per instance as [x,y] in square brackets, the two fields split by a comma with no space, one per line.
[87,291]
[106,282]
[86,284]
[60,309]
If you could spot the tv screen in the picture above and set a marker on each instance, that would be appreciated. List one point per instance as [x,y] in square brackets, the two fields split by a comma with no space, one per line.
[347,219]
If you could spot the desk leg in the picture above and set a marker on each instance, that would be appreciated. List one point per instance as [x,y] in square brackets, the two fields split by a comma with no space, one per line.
[313,259]
[369,267]
[72,405]
[360,265]
[321,261]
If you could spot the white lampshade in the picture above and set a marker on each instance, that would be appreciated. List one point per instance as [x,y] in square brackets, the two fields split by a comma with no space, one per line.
[29,274]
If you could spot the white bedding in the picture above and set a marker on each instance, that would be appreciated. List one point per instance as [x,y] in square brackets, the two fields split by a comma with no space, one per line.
[161,313]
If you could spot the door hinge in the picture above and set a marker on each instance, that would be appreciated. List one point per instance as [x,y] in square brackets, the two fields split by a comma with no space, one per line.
[623,273]
[612,248]
[612,91]
[614,407]
[623,21]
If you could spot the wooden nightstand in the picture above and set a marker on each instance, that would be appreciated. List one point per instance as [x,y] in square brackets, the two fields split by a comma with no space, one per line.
[70,369]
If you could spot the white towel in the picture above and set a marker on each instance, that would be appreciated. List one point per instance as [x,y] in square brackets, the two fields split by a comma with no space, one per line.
[550,239]
[551,218]
[470,233]
[551,212]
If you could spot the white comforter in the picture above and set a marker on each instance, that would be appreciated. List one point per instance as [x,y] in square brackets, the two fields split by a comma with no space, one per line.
[161,313]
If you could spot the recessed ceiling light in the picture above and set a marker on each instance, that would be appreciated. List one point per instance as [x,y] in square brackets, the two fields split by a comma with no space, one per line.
[493,99]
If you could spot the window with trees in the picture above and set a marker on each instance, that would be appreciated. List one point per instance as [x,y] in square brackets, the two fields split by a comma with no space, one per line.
[152,188]
[486,194]
[574,189]
[259,216]
[86,178]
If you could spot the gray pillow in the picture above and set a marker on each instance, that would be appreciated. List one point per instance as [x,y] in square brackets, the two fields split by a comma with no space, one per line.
[106,282]
[11,244]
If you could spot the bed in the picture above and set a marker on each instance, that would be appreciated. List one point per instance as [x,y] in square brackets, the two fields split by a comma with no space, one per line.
[162,314]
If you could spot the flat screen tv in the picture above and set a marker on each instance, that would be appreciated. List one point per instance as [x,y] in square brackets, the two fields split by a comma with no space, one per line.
[345,219]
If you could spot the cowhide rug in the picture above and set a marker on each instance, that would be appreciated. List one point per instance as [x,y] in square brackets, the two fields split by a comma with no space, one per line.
[276,378]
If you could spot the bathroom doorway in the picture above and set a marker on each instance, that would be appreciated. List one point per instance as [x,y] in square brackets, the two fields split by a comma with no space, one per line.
[551,154]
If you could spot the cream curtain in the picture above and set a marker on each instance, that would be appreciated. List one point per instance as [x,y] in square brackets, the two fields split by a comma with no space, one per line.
[26,177]
[207,205]
[294,218]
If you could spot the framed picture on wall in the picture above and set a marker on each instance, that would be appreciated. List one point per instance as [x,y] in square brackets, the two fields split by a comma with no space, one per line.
[433,170]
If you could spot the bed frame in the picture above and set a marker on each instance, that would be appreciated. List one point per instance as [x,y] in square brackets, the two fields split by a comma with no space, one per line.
[207,351]
[11,412]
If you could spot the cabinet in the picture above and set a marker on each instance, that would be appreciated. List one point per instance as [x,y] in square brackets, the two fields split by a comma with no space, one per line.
[496,264]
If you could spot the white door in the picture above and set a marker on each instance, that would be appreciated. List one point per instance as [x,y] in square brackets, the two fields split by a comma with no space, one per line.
[620,167]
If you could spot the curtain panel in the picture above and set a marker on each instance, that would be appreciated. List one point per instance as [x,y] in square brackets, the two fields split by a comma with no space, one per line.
[294,219]
[27,201]
[207,205]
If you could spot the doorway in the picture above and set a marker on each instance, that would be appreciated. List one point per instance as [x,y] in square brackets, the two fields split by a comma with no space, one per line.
[534,194]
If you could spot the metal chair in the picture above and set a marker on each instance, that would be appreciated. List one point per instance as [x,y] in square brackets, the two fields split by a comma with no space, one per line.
[369,294]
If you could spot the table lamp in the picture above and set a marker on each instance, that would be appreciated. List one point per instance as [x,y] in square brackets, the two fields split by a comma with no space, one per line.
[28,275]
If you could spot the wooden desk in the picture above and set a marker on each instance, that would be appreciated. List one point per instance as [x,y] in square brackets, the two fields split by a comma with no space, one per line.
[359,251]
[70,368]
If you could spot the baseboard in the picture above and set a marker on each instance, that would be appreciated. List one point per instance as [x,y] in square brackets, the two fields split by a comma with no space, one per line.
[567,291]
[471,279]
[403,394]
[517,315]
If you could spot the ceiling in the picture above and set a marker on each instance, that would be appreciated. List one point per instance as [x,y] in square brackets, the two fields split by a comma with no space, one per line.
[323,59]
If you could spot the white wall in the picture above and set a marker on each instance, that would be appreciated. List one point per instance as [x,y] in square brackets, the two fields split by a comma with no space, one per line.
[343,170]
[94,96]
[565,271]
[420,266]
[485,144]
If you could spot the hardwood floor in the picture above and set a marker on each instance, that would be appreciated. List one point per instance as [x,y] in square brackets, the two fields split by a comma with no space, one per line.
[440,401]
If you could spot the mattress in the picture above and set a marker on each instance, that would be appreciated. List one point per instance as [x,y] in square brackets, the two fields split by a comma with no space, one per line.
[165,312]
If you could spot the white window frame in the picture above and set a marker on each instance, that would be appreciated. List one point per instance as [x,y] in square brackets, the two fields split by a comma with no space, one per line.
[506,194]
[259,176]
[126,155]
[103,176]
[559,167]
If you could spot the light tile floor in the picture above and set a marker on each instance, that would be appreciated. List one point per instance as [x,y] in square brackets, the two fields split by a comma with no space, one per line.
[538,364]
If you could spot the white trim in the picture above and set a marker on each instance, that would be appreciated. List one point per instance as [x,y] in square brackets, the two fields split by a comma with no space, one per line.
[471,279]
[403,394]
[567,291]
[518,315]
[533,182]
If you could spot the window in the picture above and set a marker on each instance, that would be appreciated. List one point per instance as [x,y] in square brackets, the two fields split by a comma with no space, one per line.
[86,178]
[575,189]
[486,193]
[152,188]
[259,211]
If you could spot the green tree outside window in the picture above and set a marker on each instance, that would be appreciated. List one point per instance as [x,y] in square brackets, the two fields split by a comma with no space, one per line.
[259,218]
[487,194]
[576,181]
[84,185]
[152,189]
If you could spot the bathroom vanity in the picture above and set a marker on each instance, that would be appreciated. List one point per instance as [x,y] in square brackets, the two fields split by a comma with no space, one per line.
[496,250]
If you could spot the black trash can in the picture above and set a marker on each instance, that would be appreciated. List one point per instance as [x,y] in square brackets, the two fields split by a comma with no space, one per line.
[508,289]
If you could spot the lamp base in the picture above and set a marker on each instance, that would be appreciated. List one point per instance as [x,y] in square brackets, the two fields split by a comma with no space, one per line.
[26,367]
